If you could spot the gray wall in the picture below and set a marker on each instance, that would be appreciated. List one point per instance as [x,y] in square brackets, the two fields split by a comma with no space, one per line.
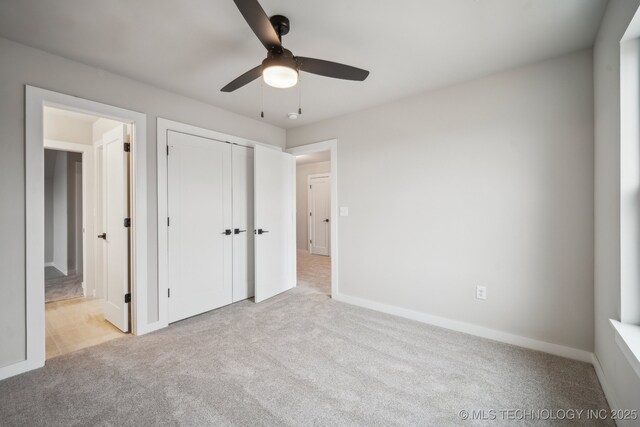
[488,182]
[302,208]
[49,168]
[622,380]
[60,213]
[72,159]
[22,65]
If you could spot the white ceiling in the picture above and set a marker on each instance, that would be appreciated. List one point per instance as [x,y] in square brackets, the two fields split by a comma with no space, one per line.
[322,156]
[194,47]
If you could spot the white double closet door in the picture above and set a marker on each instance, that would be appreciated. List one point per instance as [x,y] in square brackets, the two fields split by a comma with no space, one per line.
[210,225]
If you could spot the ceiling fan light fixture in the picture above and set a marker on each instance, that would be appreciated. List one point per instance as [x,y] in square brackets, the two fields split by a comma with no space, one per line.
[280,73]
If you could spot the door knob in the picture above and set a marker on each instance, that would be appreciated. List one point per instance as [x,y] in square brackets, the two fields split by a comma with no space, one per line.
[326,220]
[261,231]
[227,232]
[238,231]
[102,236]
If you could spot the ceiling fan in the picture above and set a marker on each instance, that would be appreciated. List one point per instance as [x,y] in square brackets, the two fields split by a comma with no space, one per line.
[280,68]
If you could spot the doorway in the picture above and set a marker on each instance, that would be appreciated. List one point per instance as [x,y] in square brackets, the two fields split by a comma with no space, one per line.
[313,220]
[86,243]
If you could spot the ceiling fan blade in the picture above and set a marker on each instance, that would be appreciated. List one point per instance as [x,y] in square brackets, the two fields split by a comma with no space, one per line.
[259,22]
[331,69]
[244,79]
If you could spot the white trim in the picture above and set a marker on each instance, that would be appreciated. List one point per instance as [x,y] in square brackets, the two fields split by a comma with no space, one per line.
[53,264]
[332,146]
[608,391]
[163,127]
[18,368]
[35,100]
[628,339]
[468,328]
[310,223]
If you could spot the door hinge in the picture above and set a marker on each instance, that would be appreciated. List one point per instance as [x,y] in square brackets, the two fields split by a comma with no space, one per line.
[127,222]
[127,298]
[127,147]
[310,214]
[168,221]
[310,241]
[168,292]
[167,150]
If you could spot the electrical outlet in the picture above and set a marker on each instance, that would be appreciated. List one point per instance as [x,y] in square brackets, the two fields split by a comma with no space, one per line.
[481,292]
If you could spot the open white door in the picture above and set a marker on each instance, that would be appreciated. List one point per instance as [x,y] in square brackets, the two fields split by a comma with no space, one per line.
[199,225]
[319,214]
[275,223]
[242,223]
[116,235]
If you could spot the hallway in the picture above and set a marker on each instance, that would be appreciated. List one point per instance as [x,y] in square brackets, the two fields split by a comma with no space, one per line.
[314,271]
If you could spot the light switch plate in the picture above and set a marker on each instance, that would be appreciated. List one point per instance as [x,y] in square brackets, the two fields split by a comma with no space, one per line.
[344,211]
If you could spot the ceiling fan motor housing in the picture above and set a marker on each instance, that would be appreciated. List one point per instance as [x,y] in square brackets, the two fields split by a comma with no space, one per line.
[280,24]
[283,59]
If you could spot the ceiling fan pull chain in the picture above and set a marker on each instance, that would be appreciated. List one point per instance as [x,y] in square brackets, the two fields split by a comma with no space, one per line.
[299,94]
[262,99]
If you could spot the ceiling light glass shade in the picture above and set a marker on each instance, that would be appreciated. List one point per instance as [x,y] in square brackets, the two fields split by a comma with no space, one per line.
[279,73]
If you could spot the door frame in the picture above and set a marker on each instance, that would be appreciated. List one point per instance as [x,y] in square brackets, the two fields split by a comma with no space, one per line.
[330,145]
[35,101]
[163,127]
[87,201]
[309,225]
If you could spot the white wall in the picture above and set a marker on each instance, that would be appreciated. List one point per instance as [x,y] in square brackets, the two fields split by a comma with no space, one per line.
[60,213]
[302,208]
[62,128]
[622,382]
[488,182]
[22,65]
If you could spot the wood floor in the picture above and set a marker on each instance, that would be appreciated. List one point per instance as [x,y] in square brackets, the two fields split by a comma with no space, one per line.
[74,324]
[79,323]
[314,271]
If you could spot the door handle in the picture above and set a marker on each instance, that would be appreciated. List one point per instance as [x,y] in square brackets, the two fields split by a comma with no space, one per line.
[260,231]
[227,232]
[238,231]
[102,236]
[326,220]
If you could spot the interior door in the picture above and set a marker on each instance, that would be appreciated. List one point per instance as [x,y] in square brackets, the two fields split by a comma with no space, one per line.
[275,234]
[320,214]
[243,284]
[199,225]
[115,188]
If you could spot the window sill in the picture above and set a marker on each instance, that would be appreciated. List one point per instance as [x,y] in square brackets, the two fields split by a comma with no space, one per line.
[628,339]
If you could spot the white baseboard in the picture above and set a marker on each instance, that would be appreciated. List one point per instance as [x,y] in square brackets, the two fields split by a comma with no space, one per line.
[151,327]
[17,368]
[608,392]
[468,328]
[53,264]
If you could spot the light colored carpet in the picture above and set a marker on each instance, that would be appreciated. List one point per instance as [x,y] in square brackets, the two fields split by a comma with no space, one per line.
[298,359]
[58,287]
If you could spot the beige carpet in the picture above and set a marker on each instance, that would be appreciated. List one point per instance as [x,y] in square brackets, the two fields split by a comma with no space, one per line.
[298,359]
[58,287]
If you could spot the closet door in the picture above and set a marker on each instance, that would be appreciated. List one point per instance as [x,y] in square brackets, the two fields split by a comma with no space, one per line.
[200,225]
[242,223]
[275,234]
